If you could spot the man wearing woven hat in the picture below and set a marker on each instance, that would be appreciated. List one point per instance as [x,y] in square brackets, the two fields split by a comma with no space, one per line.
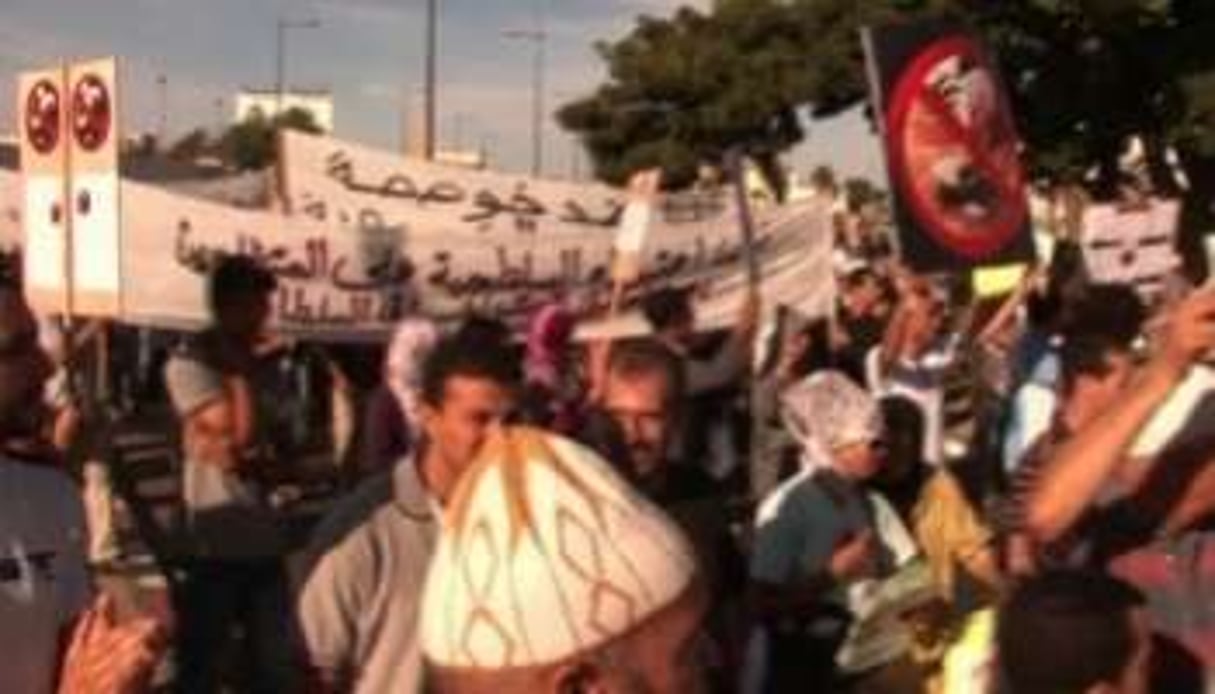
[553,575]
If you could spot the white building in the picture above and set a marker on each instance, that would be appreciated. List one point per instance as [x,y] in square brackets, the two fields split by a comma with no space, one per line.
[266,102]
[462,158]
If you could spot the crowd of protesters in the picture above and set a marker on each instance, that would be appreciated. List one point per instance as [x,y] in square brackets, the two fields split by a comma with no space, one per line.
[759,511]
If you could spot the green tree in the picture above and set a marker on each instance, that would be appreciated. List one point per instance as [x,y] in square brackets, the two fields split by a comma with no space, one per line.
[252,145]
[1084,75]
[191,145]
[860,192]
[682,91]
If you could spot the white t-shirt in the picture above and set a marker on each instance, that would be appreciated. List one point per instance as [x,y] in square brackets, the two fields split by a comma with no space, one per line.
[44,582]
[922,381]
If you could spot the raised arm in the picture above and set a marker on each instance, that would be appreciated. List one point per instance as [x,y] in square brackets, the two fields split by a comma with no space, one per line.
[1082,465]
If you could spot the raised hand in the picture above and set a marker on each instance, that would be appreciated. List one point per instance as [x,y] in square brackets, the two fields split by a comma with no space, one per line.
[105,657]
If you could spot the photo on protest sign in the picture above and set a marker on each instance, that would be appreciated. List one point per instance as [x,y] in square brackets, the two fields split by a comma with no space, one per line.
[959,190]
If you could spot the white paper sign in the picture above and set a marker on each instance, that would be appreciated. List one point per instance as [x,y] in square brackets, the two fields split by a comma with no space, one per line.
[1131,246]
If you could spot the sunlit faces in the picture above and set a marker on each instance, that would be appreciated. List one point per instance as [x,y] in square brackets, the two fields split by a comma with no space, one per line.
[640,405]
[858,461]
[457,427]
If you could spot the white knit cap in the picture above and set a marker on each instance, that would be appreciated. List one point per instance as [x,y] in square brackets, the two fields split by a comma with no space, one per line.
[545,553]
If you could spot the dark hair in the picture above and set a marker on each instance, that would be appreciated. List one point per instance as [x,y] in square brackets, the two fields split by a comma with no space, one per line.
[1111,310]
[853,279]
[460,355]
[1064,632]
[235,277]
[646,357]
[667,307]
[903,418]
[1087,355]
[1043,309]
[482,329]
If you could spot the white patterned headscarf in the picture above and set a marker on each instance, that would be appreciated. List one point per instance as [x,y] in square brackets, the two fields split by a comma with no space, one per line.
[412,342]
[827,410]
[545,553]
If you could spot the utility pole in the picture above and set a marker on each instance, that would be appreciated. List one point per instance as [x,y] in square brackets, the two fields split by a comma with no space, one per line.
[432,40]
[280,63]
[538,36]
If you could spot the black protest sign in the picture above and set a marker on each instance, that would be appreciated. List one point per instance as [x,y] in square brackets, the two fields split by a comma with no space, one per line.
[952,150]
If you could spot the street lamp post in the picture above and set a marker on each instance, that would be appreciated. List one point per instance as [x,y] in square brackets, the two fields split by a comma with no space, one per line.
[432,38]
[219,115]
[280,66]
[162,97]
[538,36]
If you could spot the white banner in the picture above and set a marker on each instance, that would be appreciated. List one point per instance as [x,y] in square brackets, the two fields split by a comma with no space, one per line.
[555,237]
[351,285]
[351,281]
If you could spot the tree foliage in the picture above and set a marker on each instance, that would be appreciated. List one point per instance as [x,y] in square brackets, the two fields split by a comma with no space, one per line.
[1083,75]
[191,145]
[251,144]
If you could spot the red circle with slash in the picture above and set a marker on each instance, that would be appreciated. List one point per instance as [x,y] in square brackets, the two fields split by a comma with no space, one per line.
[954,149]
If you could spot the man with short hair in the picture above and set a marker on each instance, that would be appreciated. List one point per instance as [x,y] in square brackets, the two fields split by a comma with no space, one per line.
[643,393]
[359,606]
[1093,372]
[1111,314]
[1140,517]
[860,320]
[642,396]
[236,574]
[49,635]
[553,576]
[1073,633]
[707,433]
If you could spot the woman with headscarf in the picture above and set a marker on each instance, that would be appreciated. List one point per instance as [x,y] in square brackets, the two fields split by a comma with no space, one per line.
[392,412]
[554,389]
[823,548]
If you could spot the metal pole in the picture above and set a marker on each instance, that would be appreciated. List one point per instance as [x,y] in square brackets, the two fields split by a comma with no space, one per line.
[162,126]
[537,36]
[281,57]
[538,100]
[279,67]
[219,116]
[575,159]
[432,37]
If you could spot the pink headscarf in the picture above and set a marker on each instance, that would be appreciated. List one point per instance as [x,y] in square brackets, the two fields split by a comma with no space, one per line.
[548,340]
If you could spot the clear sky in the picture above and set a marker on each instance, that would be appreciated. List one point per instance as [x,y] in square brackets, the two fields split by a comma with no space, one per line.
[369,54]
